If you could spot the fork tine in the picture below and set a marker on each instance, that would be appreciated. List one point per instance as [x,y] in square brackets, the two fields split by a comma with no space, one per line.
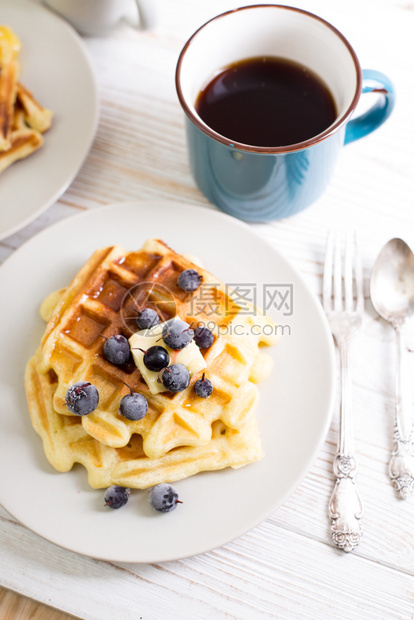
[359,281]
[327,274]
[337,276]
[348,275]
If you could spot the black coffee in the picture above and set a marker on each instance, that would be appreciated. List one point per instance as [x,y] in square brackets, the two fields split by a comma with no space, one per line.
[266,101]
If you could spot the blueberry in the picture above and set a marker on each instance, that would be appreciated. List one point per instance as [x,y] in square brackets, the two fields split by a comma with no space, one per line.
[177,334]
[164,497]
[203,387]
[175,378]
[189,280]
[116,349]
[116,497]
[147,318]
[156,358]
[203,337]
[133,406]
[82,398]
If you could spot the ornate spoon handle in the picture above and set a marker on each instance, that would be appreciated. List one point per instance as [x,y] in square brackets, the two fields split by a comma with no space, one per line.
[345,507]
[401,467]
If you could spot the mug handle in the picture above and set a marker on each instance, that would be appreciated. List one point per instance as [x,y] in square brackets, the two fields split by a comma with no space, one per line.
[372,82]
[146,17]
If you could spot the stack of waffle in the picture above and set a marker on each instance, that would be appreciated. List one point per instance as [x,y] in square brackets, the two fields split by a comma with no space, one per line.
[22,119]
[182,434]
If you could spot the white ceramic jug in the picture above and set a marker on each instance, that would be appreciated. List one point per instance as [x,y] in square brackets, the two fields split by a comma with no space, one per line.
[98,17]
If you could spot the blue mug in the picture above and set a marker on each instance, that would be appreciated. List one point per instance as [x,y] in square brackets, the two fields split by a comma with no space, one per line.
[256,183]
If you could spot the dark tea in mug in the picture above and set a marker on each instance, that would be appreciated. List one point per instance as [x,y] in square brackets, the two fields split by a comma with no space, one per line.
[267,102]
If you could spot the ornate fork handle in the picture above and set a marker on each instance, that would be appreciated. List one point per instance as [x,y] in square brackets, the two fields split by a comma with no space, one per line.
[345,507]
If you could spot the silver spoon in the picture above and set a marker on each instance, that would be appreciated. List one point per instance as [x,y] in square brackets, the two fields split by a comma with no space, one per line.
[392,295]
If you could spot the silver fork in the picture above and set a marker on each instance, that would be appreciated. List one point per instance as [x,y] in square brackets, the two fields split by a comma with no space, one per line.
[345,318]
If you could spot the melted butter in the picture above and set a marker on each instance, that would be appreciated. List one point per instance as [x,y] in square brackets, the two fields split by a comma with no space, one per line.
[49,304]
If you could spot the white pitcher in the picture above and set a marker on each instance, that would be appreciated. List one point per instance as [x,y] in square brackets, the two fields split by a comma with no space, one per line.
[98,17]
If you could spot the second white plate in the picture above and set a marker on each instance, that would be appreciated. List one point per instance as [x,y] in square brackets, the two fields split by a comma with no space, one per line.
[293,412]
[55,66]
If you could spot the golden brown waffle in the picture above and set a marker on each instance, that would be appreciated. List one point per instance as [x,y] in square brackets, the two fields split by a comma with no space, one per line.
[103,300]
[23,141]
[65,443]
[22,118]
[9,71]
[36,116]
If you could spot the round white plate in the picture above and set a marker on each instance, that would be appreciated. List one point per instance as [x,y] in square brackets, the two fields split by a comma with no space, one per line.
[55,66]
[293,412]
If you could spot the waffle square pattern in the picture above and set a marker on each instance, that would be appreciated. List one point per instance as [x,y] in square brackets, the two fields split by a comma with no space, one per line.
[182,433]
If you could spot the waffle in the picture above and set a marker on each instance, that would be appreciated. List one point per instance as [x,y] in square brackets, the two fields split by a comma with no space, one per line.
[23,141]
[22,119]
[181,433]
[36,116]
[65,443]
[9,70]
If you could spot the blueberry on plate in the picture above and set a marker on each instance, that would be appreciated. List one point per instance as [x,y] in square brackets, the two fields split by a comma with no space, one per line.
[189,280]
[117,350]
[203,337]
[177,334]
[164,497]
[116,496]
[175,377]
[82,398]
[203,387]
[133,406]
[147,318]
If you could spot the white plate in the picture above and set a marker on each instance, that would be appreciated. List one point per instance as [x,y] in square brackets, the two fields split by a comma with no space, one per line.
[55,66]
[293,412]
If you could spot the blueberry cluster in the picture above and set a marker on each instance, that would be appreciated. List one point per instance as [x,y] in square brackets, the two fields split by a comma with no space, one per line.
[176,334]
[82,397]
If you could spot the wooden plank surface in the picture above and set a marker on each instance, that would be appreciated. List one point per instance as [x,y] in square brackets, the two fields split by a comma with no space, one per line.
[285,568]
[15,606]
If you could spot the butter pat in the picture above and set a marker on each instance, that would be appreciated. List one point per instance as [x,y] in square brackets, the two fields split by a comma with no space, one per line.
[190,356]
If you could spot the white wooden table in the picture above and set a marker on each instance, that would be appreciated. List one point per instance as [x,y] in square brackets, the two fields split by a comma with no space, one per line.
[286,567]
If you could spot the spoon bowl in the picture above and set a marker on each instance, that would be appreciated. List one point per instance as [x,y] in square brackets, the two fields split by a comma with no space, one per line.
[392,282]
